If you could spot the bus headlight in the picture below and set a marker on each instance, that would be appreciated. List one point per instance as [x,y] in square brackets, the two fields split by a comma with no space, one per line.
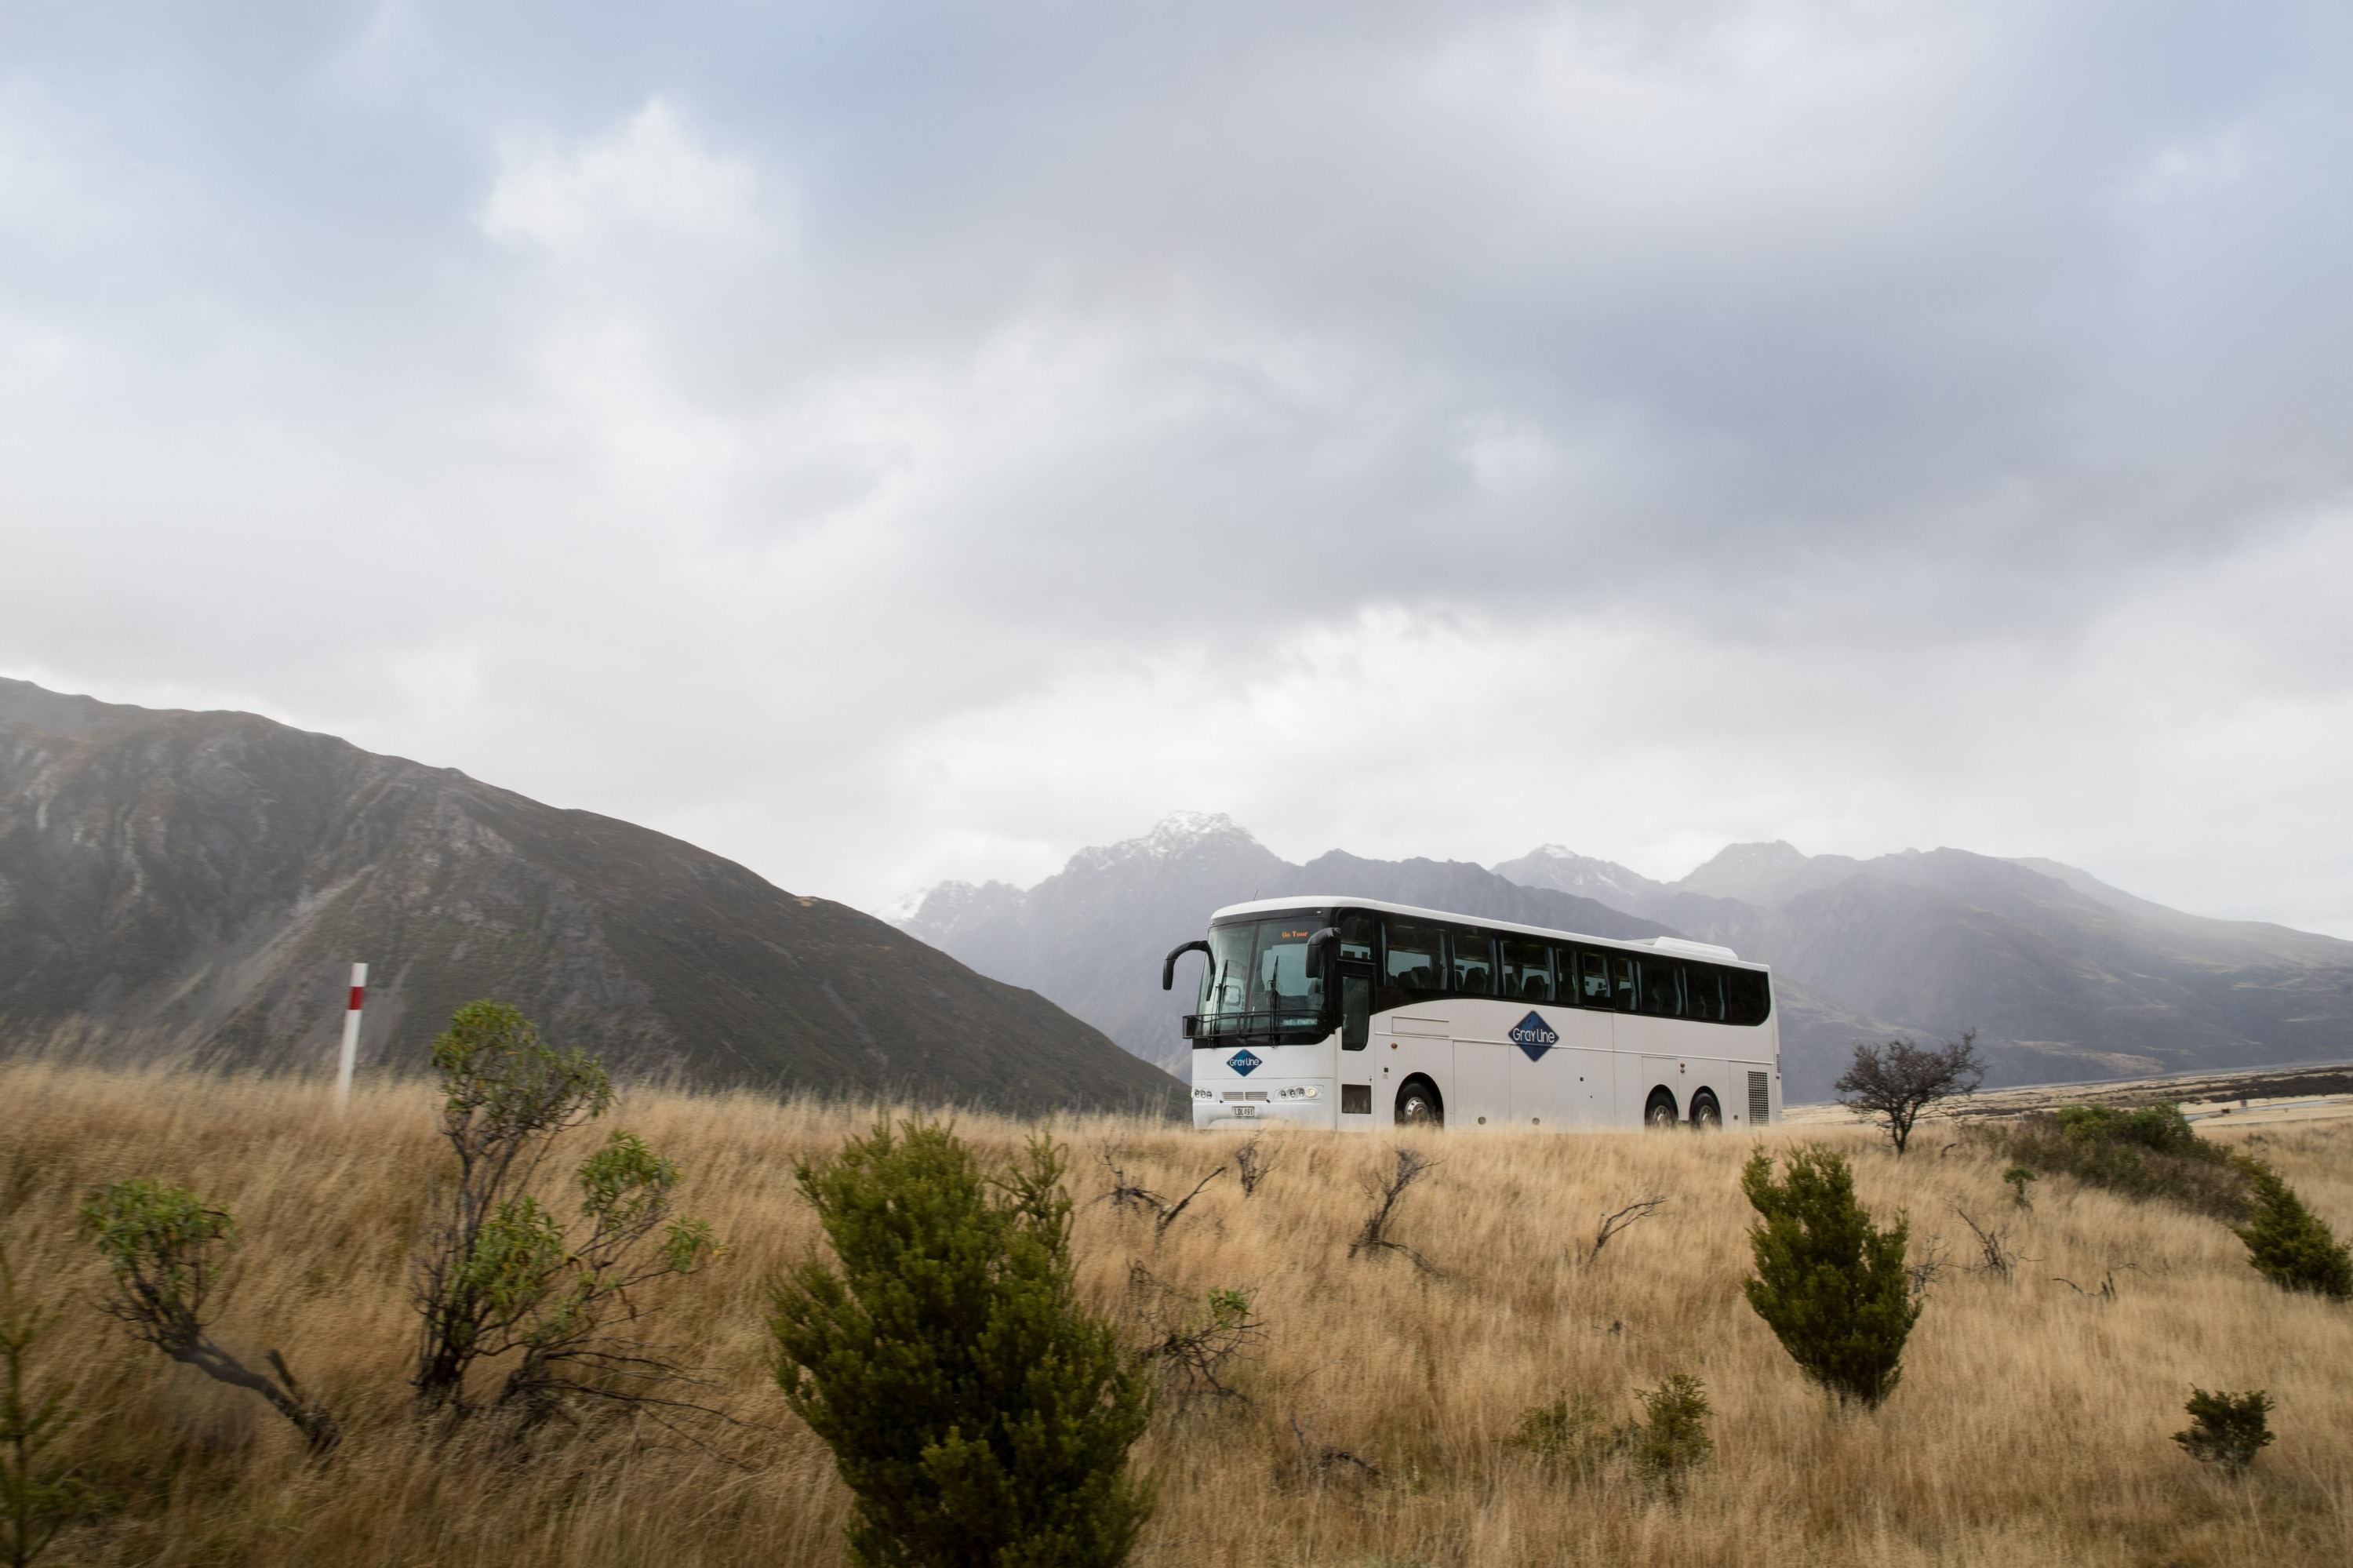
[1301,1091]
[1203,1094]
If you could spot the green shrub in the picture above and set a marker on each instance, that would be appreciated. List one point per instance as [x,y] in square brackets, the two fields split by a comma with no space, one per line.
[2160,1127]
[1570,1435]
[490,1252]
[976,1412]
[1574,1436]
[2150,1153]
[166,1249]
[1673,1436]
[2226,1430]
[2288,1244]
[1828,1283]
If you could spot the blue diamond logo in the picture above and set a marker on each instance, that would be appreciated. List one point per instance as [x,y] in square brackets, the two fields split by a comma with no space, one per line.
[1534,1036]
[1245,1063]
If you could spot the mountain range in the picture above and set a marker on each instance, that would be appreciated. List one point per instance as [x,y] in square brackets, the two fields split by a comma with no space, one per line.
[192,888]
[2063,976]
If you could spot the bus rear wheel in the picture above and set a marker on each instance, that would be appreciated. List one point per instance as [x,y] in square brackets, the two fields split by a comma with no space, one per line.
[1706,1116]
[1418,1104]
[1660,1114]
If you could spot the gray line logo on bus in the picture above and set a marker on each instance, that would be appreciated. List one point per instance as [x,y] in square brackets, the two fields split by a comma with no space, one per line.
[1534,1036]
[1245,1063]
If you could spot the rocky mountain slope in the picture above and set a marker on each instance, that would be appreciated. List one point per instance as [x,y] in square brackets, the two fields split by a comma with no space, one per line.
[192,886]
[1092,935]
[2064,977]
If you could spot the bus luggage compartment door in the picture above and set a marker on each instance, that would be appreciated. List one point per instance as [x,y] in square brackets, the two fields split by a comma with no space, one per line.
[1483,1091]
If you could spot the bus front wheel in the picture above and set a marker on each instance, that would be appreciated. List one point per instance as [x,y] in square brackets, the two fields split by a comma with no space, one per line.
[1418,1104]
[1660,1114]
[1706,1116]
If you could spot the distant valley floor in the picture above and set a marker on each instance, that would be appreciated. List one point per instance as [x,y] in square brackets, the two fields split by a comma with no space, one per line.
[2256,1097]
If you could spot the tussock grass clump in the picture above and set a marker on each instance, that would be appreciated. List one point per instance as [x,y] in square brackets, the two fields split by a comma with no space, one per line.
[2031,1429]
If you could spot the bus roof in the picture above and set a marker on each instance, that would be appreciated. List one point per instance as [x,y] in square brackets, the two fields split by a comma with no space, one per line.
[1682,944]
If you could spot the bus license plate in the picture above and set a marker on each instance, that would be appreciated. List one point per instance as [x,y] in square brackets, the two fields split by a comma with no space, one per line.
[1242,1111]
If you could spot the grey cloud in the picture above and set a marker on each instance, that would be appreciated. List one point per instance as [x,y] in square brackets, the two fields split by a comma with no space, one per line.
[1055,336]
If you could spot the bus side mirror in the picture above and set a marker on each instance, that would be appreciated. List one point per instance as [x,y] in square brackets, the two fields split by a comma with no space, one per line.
[1319,948]
[1169,964]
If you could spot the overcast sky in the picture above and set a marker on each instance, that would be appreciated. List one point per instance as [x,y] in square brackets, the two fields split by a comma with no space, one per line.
[887,442]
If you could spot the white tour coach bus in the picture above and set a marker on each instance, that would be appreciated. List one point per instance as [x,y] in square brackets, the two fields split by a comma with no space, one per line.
[1349,1012]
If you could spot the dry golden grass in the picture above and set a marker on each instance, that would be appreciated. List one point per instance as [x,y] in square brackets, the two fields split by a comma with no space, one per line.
[2031,1427]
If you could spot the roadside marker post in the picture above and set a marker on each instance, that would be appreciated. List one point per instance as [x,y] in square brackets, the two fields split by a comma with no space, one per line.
[351,1038]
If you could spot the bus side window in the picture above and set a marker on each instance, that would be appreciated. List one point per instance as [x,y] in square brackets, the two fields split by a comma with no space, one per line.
[1593,969]
[1355,1012]
[1621,982]
[1746,997]
[1410,960]
[1704,993]
[1661,988]
[1474,962]
[1527,970]
[1357,937]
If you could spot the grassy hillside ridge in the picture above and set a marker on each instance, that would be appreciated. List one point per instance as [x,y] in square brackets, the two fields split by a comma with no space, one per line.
[2031,1428]
[192,888]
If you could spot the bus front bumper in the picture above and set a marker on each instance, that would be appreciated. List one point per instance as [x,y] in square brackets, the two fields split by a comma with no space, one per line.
[1259,1105]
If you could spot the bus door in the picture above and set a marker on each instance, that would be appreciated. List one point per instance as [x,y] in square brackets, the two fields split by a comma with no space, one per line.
[1482,1095]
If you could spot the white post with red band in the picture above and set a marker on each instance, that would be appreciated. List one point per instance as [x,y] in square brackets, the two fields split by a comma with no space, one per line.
[351,1038]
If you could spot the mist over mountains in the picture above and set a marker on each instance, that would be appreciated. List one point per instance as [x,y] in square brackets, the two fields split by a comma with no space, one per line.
[192,888]
[2063,976]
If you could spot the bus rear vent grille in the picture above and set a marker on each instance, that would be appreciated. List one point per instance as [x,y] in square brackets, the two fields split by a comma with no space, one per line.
[1760,1100]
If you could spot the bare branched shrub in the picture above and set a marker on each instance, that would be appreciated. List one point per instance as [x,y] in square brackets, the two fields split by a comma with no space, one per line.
[1928,1268]
[1899,1081]
[2107,1291]
[1252,1163]
[1125,1194]
[1384,1186]
[166,1249]
[1194,1340]
[1319,1461]
[1616,1222]
[1995,1254]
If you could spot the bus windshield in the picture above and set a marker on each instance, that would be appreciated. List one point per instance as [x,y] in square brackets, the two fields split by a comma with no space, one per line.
[1260,967]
